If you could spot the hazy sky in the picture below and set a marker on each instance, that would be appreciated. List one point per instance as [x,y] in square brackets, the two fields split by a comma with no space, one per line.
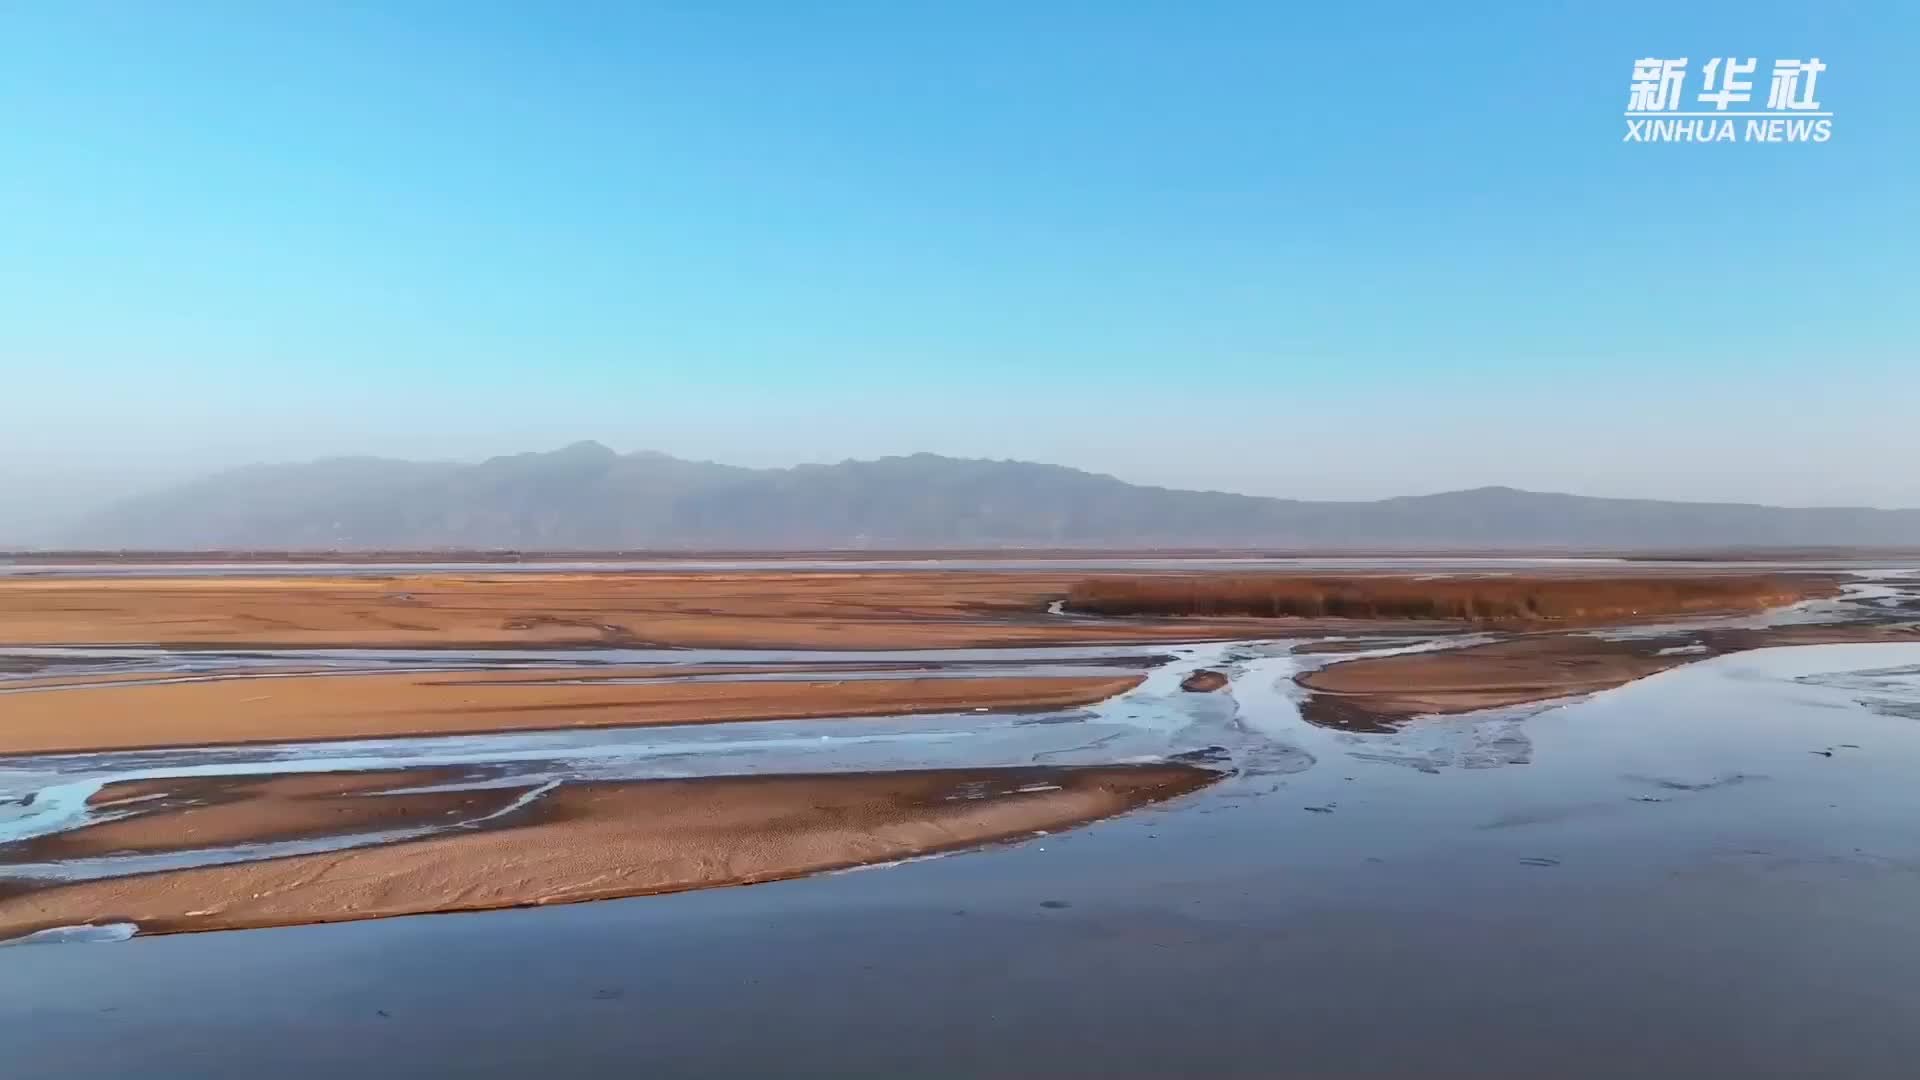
[1344,251]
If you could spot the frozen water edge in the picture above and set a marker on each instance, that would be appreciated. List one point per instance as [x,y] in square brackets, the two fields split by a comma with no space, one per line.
[85,933]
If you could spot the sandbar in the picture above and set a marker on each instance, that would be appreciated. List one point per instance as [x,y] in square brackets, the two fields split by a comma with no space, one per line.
[303,708]
[1376,692]
[594,841]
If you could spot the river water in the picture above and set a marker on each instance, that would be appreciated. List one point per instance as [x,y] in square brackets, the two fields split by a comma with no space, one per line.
[1712,872]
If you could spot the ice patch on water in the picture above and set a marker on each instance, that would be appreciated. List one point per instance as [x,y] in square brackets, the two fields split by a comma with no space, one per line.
[74,935]
[1682,650]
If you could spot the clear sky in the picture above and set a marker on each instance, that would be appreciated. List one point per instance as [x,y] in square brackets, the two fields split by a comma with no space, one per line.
[1346,250]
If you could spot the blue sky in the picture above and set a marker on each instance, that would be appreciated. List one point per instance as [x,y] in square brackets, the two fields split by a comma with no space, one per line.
[1341,251]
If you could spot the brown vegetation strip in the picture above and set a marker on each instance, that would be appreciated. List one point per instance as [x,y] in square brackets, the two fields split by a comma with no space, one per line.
[1501,600]
[294,709]
[601,840]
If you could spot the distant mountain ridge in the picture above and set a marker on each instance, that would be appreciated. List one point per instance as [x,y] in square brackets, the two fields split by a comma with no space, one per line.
[586,496]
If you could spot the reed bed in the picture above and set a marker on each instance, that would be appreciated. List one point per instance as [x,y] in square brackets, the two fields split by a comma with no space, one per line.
[1483,599]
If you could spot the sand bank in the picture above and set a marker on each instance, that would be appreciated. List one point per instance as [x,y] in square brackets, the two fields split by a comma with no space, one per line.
[601,840]
[300,708]
[192,813]
[1381,691]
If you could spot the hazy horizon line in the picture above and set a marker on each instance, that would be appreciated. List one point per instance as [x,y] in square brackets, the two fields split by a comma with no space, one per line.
[193,475]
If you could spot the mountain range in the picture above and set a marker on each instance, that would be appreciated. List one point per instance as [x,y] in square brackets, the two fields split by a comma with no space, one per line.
[587,497]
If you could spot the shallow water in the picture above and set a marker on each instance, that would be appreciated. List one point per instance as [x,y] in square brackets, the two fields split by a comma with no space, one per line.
[1709,872]
[45,661]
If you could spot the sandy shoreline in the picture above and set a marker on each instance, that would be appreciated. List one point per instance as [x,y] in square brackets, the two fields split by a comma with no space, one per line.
[594,841]
[303,708]
[1357,693]
[1375,692]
